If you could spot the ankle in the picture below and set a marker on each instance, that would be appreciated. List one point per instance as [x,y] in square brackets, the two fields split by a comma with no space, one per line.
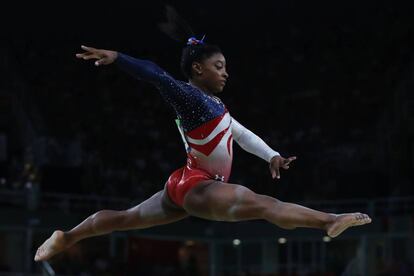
[331,218]
[68,238]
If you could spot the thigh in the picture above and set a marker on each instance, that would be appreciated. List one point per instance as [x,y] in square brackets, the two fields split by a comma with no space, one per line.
[156,210]
[223,202]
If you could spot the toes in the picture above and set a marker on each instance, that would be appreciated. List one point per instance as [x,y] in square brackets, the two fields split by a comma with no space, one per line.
[366,217]
[37,256]
[40,251]
[362,217]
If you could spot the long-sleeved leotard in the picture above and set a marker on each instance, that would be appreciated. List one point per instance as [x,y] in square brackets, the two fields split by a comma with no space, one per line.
[207,128]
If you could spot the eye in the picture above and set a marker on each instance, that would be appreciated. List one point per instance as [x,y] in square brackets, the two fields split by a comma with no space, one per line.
[219,65]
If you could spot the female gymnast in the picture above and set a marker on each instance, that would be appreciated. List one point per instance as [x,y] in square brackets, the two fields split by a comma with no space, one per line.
[199,188]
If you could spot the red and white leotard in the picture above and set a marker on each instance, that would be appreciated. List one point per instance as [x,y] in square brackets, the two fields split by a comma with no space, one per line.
[206,126]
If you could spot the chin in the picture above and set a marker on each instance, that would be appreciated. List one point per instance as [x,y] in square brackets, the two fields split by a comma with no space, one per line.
[219,90]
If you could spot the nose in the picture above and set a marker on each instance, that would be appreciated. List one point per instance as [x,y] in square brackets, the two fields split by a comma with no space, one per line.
[225,75]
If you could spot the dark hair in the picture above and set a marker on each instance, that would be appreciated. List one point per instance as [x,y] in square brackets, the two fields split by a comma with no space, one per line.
[196,53]
[178,29]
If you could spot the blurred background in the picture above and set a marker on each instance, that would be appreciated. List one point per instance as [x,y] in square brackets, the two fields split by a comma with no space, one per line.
[330,83]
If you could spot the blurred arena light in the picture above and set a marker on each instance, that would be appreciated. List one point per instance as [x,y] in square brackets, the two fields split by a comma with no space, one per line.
[236,242]
[282,240]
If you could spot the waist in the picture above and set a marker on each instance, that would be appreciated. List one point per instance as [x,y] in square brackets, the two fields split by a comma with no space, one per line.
[218,166]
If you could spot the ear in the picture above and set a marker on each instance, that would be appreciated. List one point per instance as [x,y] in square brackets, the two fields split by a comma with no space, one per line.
[197,68]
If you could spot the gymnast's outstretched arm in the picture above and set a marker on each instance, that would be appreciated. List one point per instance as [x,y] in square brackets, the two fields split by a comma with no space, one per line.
[140,69]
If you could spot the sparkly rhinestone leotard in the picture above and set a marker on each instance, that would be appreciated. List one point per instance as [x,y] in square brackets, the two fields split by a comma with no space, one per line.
[205,124]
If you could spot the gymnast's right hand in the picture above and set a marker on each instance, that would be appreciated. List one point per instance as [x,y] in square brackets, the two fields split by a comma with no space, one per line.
[103,57]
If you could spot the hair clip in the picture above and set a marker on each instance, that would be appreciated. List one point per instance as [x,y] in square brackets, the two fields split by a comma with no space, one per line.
[194,41]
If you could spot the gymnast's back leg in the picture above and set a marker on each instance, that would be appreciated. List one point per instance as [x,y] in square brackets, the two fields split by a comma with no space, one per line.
[156,210]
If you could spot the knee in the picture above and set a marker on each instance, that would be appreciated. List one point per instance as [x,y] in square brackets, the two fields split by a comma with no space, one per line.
[249,204]
[268,205]
[95,220]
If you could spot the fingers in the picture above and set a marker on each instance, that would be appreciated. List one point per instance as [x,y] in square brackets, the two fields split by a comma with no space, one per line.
[280,162]
[91,53]
[88,49]
[290,159]
[81,55]
[275,172]
[87,56]
[102,61]
[287,161]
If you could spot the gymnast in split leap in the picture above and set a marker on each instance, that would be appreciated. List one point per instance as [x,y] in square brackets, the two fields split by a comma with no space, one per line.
[200,188]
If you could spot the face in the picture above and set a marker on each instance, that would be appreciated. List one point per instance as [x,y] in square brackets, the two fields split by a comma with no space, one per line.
[211,72]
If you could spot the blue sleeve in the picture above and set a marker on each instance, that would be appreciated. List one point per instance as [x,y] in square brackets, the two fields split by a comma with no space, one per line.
[170,89]
[141,69]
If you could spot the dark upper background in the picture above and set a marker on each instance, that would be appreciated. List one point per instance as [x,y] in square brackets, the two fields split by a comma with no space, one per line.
[331,84]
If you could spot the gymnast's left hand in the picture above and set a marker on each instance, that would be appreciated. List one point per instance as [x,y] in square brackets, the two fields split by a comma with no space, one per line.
[102,56]
[278,162]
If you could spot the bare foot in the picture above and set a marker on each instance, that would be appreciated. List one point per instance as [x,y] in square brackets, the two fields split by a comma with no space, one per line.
[53,245]
[344,221]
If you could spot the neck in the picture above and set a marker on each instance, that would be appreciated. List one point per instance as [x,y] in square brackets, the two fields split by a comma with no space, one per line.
[200,86]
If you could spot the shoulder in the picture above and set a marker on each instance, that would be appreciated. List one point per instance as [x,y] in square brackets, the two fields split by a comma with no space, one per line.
[183,83]
[191,90]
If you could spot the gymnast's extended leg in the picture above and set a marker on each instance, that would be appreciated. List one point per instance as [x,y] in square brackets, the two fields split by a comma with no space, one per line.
[154,211]
[229,202]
